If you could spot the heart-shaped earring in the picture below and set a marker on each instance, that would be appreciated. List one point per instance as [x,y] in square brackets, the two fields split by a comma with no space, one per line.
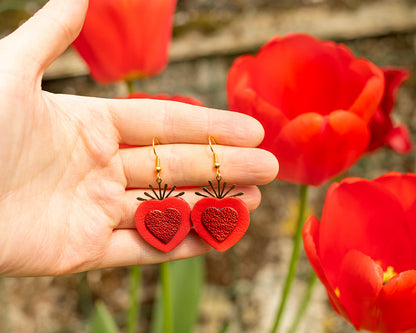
[220,220]
[162,220]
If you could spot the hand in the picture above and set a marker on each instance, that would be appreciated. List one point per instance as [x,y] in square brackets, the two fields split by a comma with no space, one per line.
[63,203]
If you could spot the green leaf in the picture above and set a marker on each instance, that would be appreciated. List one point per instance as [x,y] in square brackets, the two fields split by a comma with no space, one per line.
[101,321]
[186,283]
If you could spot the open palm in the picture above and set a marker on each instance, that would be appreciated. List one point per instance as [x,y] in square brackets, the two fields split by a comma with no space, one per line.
[63,200]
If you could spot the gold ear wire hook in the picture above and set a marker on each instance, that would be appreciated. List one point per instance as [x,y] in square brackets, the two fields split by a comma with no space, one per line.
[215,156]
[158,168]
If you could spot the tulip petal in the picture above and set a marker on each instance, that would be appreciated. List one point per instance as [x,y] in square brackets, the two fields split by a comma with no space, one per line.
[312,148]
[242,98]
[310,240]
[381,126]
[103,62]
[411,222]
[149,34]
[286,74]
[359,283]
[360,216]
[238,79]
[402,186]
[310,235]
[298,72]
[394,77]
[399,139]
[367,102]
[272,119]
[398,303]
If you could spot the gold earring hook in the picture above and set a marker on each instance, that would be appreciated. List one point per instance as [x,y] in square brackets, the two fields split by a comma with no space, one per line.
[158,168]
[217,164]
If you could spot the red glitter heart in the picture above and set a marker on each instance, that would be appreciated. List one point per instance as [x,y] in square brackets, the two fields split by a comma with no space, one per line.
[219,222]
[217,230]
[163,225]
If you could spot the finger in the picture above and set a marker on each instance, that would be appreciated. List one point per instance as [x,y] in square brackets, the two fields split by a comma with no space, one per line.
[49,32]
[192,165]
[251,197]
[127,248]
[139,120]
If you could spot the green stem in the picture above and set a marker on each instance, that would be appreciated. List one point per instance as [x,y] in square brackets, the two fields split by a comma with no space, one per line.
[133,314]
[130,87]
[304,303]
[294,258]
[85,296]
[167,299]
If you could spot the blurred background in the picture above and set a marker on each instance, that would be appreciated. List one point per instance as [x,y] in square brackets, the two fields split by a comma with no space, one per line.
[243,284]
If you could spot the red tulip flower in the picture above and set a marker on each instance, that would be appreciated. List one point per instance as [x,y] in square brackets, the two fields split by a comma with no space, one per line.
[123,40]
[364,251]
[315,101]
[381,127]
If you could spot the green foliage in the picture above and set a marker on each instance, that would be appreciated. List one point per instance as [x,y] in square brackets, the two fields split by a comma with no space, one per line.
[19,4]
[12,5]
[102,321]
[133,313]
[186,285]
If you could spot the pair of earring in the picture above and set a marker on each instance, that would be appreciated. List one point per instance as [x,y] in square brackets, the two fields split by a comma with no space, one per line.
[164,220]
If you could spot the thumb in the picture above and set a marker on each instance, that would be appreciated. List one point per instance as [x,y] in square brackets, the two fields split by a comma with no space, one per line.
[49,32]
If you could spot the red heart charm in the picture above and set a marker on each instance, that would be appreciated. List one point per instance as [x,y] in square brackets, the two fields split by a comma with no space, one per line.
[220,222]
[163,223]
